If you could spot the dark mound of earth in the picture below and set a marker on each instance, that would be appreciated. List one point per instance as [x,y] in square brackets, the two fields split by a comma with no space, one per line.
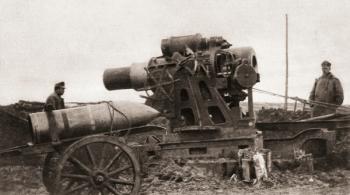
[279,115]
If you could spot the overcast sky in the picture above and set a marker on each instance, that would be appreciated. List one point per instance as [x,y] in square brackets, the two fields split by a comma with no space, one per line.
[46,41]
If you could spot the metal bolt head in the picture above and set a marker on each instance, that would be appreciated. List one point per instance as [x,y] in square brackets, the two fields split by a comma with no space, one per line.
[100,178]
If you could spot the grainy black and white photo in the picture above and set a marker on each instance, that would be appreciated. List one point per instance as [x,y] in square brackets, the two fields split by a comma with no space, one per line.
[196,97]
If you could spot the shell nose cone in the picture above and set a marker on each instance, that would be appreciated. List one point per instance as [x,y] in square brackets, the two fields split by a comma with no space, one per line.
[137,113]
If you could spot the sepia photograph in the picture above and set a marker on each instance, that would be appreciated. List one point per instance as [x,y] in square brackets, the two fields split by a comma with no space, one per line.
[196,97]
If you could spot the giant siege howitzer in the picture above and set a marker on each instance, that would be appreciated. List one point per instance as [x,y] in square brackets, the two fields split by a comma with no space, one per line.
[197,84]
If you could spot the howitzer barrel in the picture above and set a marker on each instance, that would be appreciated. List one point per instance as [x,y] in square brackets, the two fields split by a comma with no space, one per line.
[86,120]
[132,77]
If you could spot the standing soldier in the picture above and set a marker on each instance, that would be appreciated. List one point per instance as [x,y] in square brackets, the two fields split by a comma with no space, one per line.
[327,89]
[55,101]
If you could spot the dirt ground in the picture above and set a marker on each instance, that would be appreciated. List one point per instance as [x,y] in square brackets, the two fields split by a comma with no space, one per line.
[166,177]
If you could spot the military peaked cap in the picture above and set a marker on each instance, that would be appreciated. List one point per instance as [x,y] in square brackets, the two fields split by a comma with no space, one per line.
[60,84]
[326,63]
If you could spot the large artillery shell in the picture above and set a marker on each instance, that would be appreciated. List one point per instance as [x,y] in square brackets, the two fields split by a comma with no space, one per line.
[87,120]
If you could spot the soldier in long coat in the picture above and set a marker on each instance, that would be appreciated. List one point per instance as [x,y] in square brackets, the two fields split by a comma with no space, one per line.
[327,89]
[55,101]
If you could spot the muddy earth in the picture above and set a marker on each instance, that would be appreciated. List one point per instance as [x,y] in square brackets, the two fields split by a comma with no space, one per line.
[168,177]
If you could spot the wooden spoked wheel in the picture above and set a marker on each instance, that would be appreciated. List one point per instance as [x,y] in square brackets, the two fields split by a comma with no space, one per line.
[98,165]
